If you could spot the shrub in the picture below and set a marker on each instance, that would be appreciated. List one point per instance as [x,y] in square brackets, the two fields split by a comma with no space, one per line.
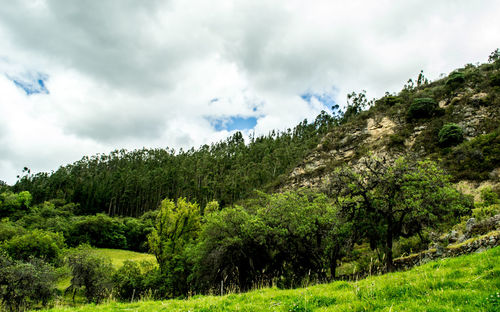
[450,134]
[495,79]
[36,244]
[421,108]
[396,140]
[390,100]
[475,159]
[455,80]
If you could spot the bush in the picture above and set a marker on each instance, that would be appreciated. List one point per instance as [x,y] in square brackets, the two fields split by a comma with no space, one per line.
[495,79]
[450,134]
[36,244]
[421,108]
[455,80]
[476,158]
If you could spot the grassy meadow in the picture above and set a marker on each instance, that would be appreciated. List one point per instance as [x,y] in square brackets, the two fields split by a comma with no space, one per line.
[466,283]
[118,256]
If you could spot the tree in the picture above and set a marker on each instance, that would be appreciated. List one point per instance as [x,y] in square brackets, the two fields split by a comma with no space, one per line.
[14,203]
[283,238]
[40,244]
[494,56]
[91,272]
[356,102]
[177,226]
[390,200]
[23,284]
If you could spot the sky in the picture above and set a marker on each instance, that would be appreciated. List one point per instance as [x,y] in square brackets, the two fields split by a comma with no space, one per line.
[85,77]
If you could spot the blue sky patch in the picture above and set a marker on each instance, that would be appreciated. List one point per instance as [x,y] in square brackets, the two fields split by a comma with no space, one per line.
[325,98]
[31,83]
[233,123]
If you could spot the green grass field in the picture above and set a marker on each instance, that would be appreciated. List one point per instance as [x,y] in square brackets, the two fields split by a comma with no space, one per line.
[119,256]
[467,283]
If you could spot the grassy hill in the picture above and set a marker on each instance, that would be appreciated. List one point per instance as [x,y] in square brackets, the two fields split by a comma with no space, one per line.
[467,283]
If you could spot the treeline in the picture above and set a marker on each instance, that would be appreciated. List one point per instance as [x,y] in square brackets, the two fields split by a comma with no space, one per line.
[18,217]
[129,183]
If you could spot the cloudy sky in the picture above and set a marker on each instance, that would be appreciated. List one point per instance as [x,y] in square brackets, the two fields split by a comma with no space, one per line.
[85,77]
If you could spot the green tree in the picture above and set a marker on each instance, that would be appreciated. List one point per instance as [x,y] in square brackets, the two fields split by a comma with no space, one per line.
[24,284]
[91,272]
[177,227]
[391,200]
[14,203]
[40,244]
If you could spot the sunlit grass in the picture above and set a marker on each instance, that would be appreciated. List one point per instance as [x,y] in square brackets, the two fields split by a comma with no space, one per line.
[119,256]
[467,283]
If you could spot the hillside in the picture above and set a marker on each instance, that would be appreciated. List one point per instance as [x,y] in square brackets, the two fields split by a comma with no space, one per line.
[466,283]
[387,130]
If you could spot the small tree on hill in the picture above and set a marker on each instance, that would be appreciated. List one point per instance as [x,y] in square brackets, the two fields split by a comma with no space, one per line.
[91,272]
[387,201]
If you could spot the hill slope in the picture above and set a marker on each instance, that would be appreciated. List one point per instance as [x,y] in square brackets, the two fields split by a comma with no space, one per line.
[395,125]
[466,283]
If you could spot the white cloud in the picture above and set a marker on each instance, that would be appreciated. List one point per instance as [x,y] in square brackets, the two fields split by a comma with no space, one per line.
[128,74]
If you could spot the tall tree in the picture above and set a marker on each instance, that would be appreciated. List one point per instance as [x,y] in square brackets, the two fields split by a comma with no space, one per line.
[388,200]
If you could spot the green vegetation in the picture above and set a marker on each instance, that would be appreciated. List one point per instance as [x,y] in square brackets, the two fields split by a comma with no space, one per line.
[455,80]
[476,158]
[40,244]
[450,134]
[130,183]
[396,200]
[421,108]
[119,257]
[467,283]
[91,272]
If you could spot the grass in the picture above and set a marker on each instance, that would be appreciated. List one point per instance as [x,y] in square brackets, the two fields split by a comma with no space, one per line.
[118,256]
[466,283]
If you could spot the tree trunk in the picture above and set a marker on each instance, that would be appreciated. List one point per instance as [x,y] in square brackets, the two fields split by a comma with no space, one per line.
[333,268]
[388,250]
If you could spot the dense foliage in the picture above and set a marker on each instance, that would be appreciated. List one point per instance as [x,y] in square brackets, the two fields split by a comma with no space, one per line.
[131,183]
[421,108]
[387,201]
[25,284]
[450,134]
[281,238]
